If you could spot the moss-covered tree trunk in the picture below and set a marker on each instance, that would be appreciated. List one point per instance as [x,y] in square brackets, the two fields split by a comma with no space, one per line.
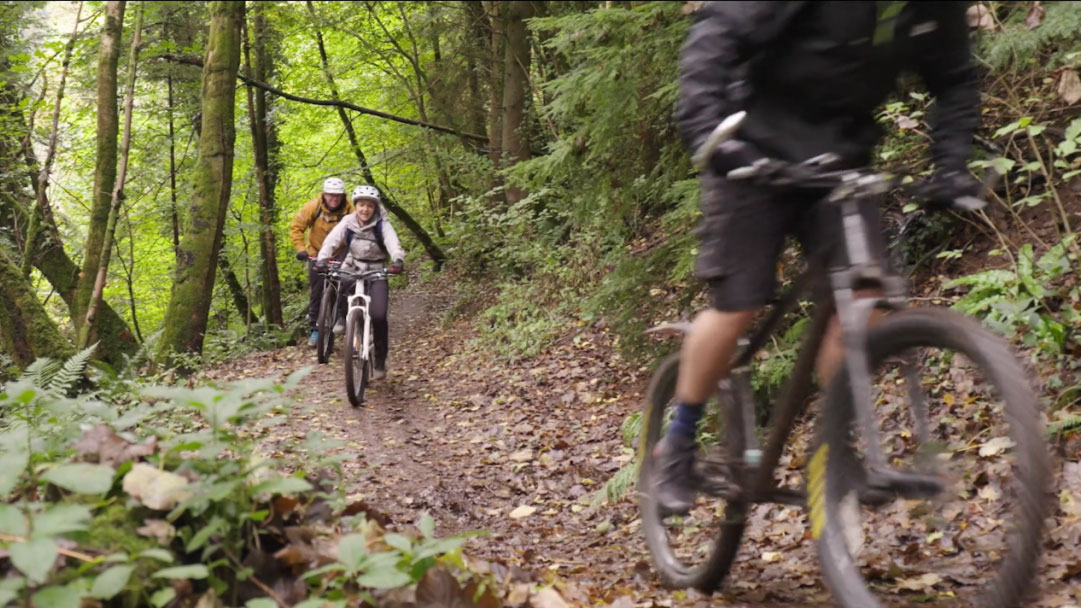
[189,303]
[496,43]
[105,163]
[87,331]
[515,89]
[26,331]
[260,68]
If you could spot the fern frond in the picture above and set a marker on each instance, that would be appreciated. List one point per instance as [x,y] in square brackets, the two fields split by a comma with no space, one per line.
[616,488]
[40,371]
[70,372]
[1061,427]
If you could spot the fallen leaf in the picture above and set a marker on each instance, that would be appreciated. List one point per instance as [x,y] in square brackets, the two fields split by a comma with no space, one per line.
[995,446]
[522,455]
[919,583]
[522,511]
[159,529]
[771,556]
[439,589]
[547,598]
[158,490]
[1035,15]
[110,448]
[1069,86]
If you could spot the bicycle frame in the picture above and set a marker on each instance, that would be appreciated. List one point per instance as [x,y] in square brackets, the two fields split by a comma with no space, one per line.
[361,299]
[861,272]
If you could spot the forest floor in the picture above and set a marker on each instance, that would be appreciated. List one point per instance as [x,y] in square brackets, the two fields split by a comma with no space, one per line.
[518,450]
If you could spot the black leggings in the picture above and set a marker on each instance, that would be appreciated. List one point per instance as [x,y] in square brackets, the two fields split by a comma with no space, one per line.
[379,292]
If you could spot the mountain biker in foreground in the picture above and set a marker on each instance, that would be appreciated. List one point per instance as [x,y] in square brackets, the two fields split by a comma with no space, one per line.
[370,240]
[809,75]
[320,214]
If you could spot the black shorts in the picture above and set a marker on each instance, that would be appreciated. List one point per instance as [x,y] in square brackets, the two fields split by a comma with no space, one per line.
[743,230]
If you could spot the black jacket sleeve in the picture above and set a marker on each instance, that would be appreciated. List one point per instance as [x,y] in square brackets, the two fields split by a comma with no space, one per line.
[946,66]
[713,62]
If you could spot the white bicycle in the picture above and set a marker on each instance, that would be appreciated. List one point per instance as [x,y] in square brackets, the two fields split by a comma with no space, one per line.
[359,354]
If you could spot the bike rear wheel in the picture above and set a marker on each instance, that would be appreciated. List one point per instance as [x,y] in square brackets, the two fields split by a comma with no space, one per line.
[696,550]
[952,402]
[357,362]
[328,316]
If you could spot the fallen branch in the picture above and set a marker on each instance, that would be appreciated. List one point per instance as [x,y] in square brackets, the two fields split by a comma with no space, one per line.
[8,538]
[195,61]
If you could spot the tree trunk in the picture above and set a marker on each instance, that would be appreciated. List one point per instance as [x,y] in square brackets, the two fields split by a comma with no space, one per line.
[47,250]
[478,32]
[434,252]
[515,90]
[26,331]
[172,173]
[240,299]
[105,163]
[495,96]
[50,152]
[189,304]
[260,69]
[87,331]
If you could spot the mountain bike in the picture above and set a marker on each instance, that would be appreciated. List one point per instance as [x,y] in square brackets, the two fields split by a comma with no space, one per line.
[328,311]
[899,461]
[359,346]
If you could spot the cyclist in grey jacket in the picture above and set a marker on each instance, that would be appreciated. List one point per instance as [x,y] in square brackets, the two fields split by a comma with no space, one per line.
[370,239]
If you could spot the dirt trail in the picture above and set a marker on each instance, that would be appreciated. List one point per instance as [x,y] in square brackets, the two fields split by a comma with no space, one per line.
[518,450]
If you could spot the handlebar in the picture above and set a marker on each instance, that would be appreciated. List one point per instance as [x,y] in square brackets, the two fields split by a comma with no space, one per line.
[817,172]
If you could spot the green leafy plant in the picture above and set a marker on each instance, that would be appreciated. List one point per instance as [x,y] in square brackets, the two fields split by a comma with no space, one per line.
[1028,296]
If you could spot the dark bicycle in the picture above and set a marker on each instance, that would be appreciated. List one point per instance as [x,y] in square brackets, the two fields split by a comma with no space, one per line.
[948,471]
[328,311]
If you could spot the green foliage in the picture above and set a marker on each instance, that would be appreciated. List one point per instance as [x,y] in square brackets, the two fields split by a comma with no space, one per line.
[1031,296]
[1019,46]
[58,377]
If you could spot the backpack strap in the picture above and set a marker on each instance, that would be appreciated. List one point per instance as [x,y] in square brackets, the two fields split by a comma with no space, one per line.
[378,230]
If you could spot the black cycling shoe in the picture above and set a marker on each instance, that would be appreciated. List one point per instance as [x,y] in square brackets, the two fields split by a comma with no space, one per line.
[676,481]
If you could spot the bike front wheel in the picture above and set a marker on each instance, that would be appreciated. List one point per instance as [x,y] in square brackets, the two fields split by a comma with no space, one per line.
[697,549]
[957,520]
[328,316]
[357,361]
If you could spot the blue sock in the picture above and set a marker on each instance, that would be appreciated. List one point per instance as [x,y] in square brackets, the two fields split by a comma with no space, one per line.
[685,422]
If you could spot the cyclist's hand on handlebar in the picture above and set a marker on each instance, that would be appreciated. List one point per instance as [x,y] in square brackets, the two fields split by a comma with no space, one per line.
[321,265]
[397,267]
[733,154]
[302,255]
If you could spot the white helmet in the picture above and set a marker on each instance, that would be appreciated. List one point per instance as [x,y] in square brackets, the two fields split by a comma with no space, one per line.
[366,192]
[334,185]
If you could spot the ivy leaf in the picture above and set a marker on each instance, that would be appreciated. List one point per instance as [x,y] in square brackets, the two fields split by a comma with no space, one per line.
[57,597]
[1002,165]
[284,485]
[193,571]
[426,525]
[61,519]
[351,551]
[81,478]
[111,582]
[159,554]
[162,597]
[34,558]
[384,577]
[12,521]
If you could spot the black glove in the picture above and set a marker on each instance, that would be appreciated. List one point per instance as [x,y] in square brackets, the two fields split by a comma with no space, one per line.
[946,186]
[734,154]
[321,265]
[302,256]
[397,267]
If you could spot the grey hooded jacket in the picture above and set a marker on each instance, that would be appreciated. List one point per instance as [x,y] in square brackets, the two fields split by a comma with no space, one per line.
[363,249]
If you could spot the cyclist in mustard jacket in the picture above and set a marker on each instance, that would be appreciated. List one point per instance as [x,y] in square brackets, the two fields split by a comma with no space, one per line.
[318,217]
